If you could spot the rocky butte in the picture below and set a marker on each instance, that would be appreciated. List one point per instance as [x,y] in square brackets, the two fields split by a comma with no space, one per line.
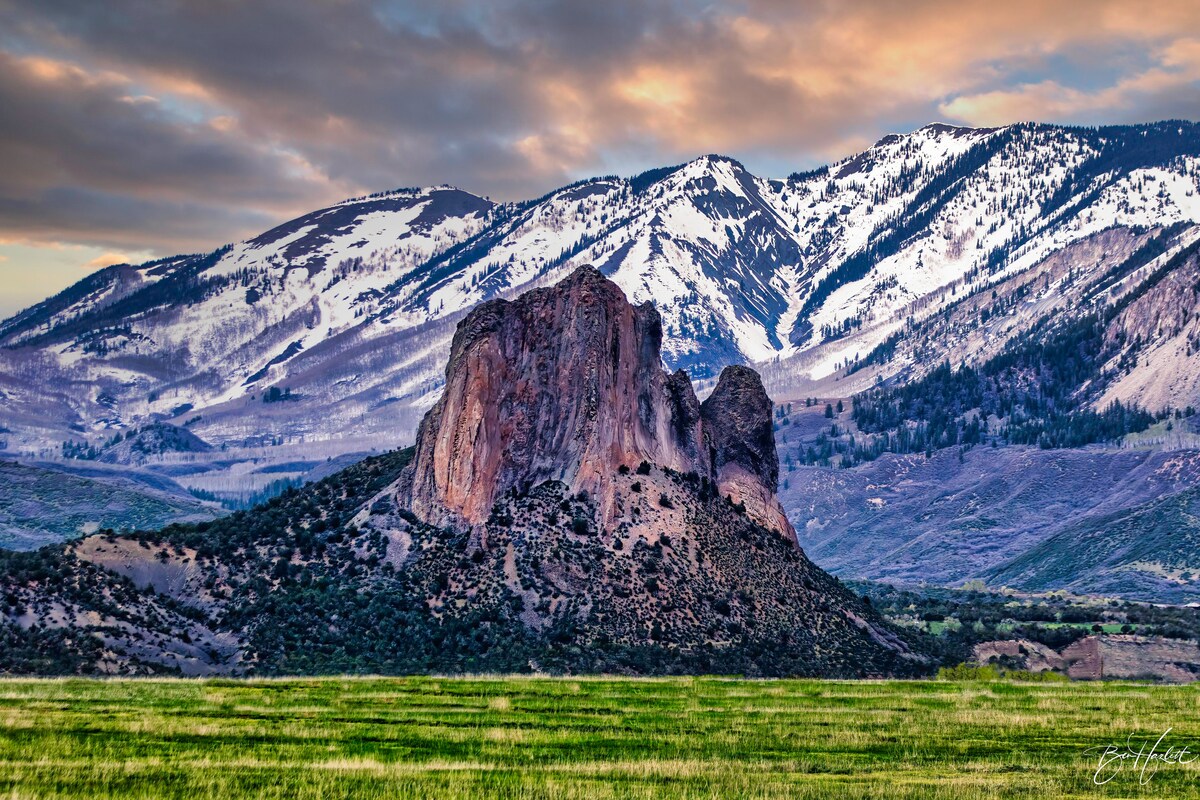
[569,506]
[566,384]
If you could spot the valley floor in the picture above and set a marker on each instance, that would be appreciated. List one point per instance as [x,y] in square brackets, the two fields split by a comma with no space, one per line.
[587,737]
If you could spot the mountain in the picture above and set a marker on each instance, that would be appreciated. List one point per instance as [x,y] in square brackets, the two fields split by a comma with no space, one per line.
[522,407]
[978,300]
[526,530]
[353,307]
[203,339]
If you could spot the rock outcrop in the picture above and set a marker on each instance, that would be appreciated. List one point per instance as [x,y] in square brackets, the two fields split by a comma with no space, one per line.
[1101,657]
[569,507]
[742,461]
[566,384]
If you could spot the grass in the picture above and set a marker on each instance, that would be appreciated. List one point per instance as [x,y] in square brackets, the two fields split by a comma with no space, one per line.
[577,738]
[1105,627]
[939,628]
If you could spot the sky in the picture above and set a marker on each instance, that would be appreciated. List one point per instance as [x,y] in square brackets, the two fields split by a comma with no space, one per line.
[132,129]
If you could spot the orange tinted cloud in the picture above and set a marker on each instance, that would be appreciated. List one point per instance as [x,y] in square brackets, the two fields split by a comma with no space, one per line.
[1177,67]
[106,260]
[810,75]
[137,124]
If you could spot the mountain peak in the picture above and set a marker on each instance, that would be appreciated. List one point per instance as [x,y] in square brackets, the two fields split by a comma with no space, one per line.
[714,163]
[945,128]
[718,158]
[403,191]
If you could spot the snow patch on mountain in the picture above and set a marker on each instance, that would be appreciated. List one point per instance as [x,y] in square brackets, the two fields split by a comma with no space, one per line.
[352,307]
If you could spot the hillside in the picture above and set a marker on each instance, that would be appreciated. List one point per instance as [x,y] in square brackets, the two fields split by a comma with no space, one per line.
[1149,550]
[1091,520]
[40,506]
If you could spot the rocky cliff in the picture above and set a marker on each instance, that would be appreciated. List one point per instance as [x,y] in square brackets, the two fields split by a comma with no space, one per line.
[741,456]
[569,507]
[566,384]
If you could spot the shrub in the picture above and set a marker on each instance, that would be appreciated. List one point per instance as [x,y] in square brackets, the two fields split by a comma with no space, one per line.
[1046,676]
[971,672]
[968,672]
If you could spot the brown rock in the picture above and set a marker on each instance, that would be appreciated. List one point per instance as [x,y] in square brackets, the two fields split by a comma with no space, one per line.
[566,383]
[1020,654]
[1131,657]
[741,445]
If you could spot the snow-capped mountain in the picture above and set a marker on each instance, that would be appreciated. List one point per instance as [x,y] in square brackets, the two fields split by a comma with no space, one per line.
[333,328]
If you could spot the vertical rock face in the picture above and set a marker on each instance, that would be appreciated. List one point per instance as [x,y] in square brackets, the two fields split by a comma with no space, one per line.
[566,383]
[563,383]
[741,445]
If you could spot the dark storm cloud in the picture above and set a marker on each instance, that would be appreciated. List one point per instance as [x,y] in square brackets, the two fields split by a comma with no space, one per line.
[124,222]
[84,159]
[162,123]
[350,87]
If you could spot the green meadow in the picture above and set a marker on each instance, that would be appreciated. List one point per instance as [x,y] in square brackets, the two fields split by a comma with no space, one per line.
[585,737]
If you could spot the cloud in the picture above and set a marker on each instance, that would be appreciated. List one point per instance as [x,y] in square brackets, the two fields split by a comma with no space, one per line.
[107,260]
[137,124]
[86,159]
[1175,75]
[31,273]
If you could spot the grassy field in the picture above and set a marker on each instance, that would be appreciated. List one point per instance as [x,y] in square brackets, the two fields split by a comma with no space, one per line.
[574,738]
